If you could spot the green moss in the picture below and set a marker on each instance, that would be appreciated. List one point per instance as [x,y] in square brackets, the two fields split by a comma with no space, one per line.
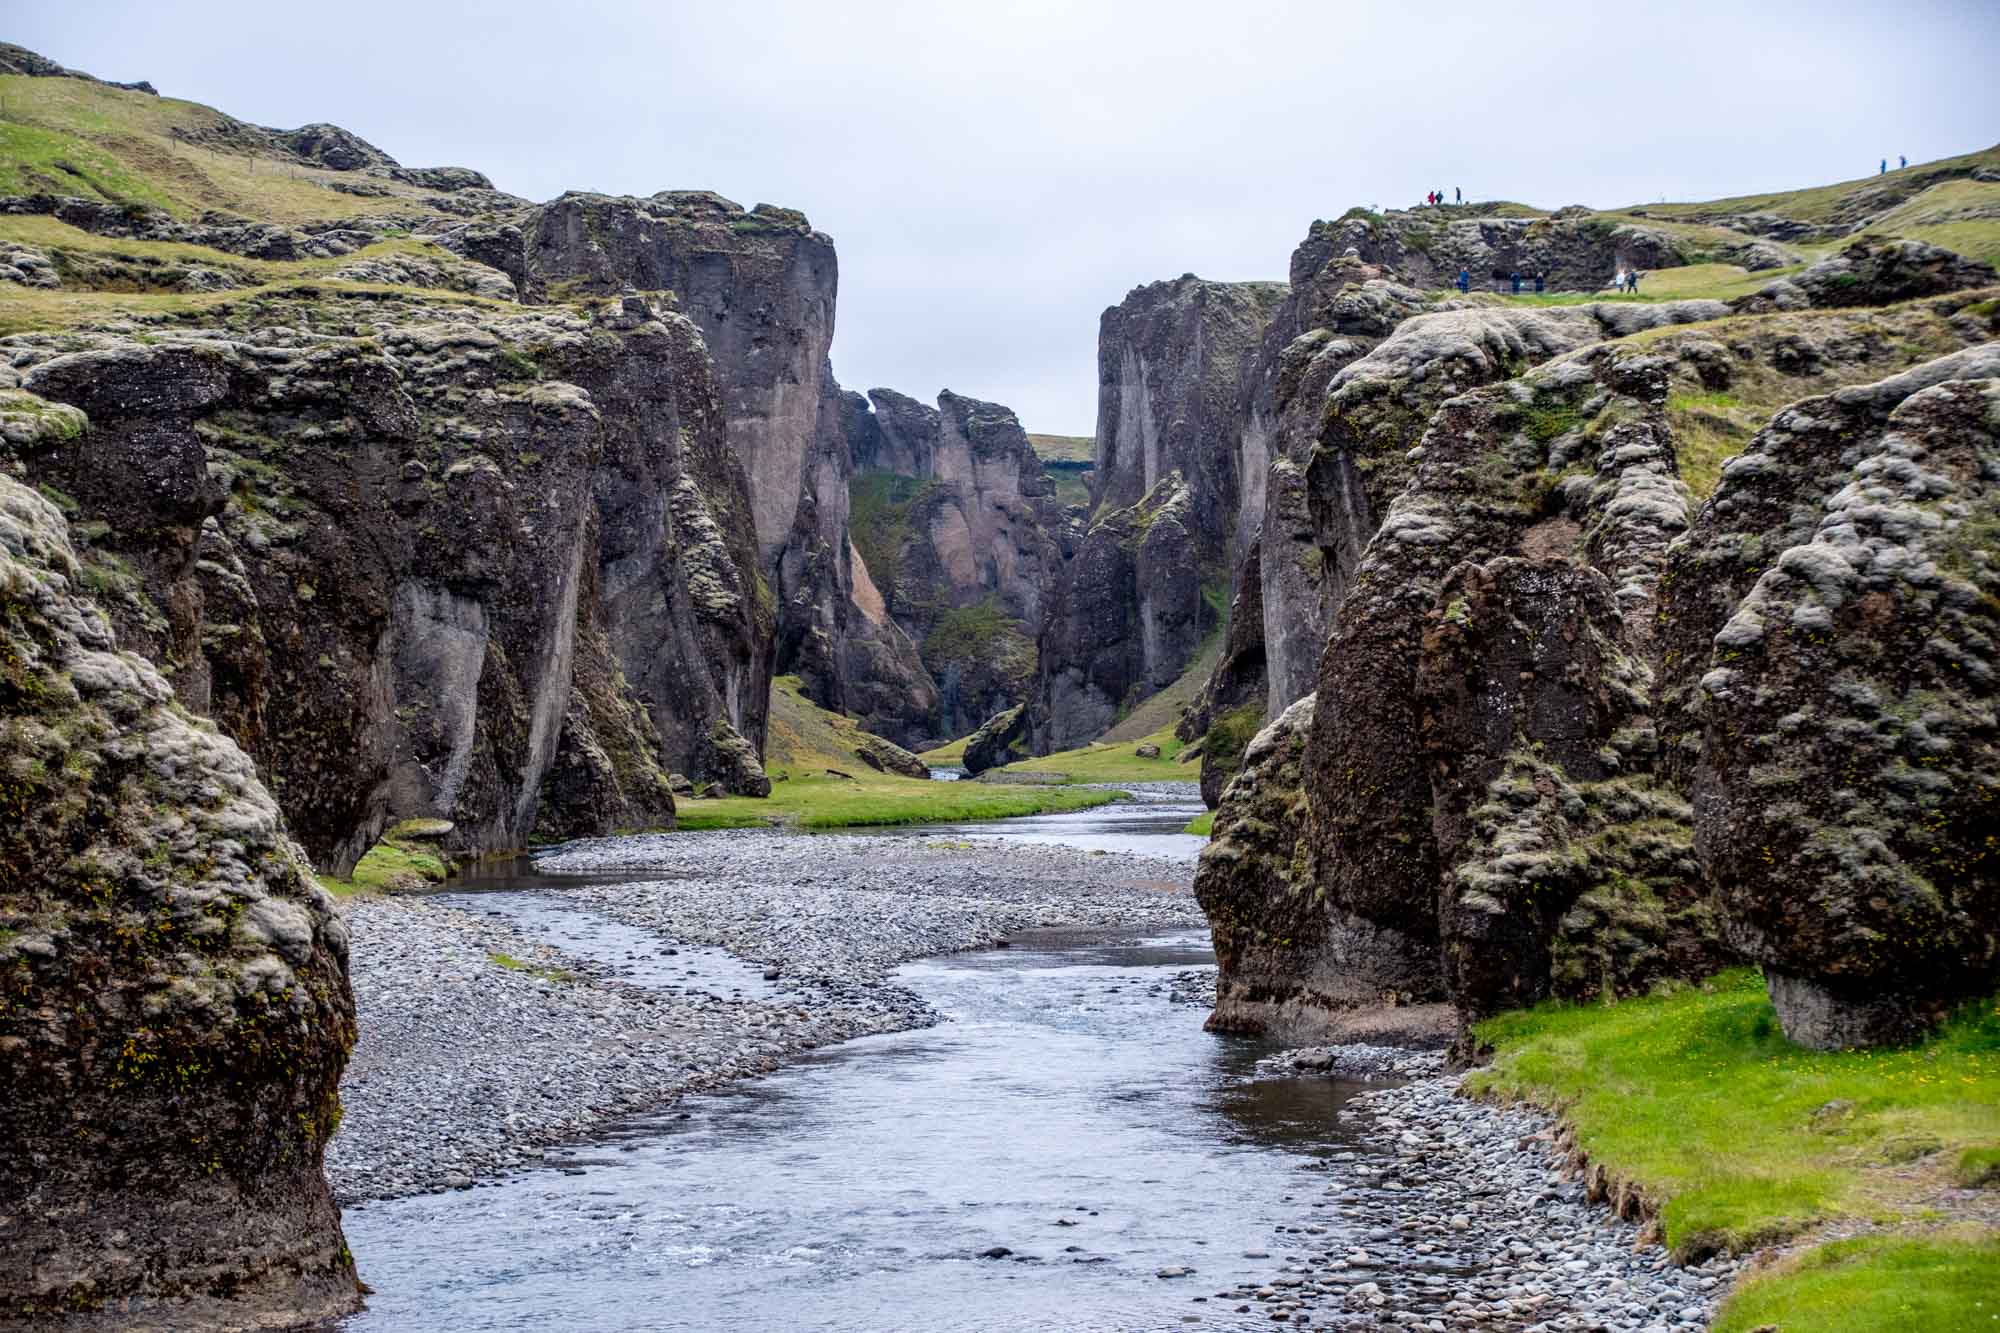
[1202,825]
[398,861]
[1977,1168]
[880,507]
[1229,735]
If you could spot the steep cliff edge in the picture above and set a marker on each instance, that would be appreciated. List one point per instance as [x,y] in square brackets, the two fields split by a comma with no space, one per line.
[761,285]
[384,543]
[1169,493]
[1499,797]
[177,1011]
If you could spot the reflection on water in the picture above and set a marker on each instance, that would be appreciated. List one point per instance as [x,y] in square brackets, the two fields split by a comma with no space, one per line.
[1068,1113]
[1149,827]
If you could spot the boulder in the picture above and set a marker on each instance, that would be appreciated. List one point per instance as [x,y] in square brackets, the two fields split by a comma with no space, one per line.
[888,757]
[179,1012]
[1845,803]
[1146,751]
[998,741]
[733,766]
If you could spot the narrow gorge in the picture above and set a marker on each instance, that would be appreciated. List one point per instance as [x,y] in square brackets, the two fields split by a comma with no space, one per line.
[1469,801]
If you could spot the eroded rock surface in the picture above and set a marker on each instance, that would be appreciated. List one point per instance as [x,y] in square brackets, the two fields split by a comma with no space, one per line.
[178,1011]
[383,563]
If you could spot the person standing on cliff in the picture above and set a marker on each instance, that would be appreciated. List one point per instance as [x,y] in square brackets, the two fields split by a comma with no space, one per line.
[1457,195]
[1902,162]
[1885,167]
[1464,280]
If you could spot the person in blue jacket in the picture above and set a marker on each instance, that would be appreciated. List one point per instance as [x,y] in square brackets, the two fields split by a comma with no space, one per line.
[1464,280]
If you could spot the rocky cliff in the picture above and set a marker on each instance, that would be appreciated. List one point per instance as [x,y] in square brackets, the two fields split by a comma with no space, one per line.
[1173,481]
[1529,766]
[177,1011]
[415,556]
[761,285]
[962,537]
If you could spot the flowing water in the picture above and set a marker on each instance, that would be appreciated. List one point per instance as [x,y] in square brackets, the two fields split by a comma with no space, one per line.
[1067,1111]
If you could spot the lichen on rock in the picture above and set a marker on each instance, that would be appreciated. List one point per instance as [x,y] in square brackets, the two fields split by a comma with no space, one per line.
[177,1011]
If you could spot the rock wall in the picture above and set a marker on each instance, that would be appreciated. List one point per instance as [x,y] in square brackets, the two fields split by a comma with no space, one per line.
[1519,727]
[761,286]
[178,1013]
[963,540]
[1173,483]
[408,569]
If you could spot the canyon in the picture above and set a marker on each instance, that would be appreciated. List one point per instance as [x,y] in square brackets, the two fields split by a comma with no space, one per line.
[1566,645]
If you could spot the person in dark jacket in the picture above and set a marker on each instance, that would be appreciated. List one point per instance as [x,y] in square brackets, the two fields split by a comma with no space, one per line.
[1515,278]
[1538,282]
[1465,280]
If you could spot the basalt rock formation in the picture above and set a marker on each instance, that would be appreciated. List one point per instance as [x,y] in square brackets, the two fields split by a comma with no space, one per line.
[1573,249]
[408,569]
[1169,496]
[1845,785]
[177,1010]
[761,286]
[1525,774]
[1873,272]
[957,521]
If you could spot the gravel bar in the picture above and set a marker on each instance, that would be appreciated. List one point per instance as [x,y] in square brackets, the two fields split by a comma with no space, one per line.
[480,1048]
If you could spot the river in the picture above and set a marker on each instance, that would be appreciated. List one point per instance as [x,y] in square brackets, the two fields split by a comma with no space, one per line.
[1067,1111]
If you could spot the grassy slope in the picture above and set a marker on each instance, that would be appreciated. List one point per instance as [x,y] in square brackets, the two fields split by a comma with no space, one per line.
[1064,448]
[1822,203]
[1103,761]
[401,860]
[1942,1284]
[805,741]
[74,137]
[1745,1139]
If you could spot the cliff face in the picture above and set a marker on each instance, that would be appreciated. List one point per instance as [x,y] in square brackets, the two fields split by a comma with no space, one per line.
[1534,753]
[960,530]
[1845,781]
[417,568]
[761,286]
[1171,358]
[177,1011]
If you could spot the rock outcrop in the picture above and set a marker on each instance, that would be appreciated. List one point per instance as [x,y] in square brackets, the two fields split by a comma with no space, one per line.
[1000,740]
[177,1010]
[1571,250]
[1518,726]
[1873,272]
[761,286]
[384,563]
[1845,788]
[960,532]
[1169,495]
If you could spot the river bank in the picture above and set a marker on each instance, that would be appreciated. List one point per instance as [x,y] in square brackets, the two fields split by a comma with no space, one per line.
[1067,1150]
[481,1047]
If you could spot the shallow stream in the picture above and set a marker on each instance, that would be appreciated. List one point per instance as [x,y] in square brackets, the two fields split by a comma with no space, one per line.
[1067,1112]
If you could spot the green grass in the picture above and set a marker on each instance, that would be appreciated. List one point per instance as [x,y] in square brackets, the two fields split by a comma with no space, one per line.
[34,160]
[949,755]
[1697,1098]
[1823,202]
[400,860]
[1111,762]
[1202,825]
[513,964]
[1064,448]
[1945,1284]
[875,799]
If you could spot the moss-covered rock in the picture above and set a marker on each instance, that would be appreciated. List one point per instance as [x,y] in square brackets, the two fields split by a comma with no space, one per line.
[177,1010]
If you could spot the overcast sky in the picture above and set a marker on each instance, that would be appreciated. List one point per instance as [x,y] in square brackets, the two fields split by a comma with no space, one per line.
[995,174]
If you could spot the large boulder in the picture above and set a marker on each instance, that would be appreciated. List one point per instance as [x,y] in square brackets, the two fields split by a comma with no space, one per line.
[1846,797]
[998,741]
[177,1013]
[889,757]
